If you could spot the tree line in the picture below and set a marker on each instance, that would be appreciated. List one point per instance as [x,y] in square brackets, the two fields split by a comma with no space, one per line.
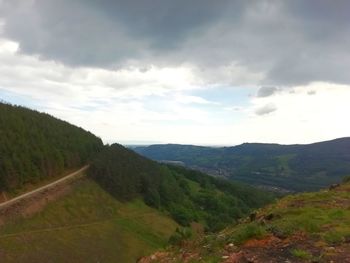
[34,146]
[187,195]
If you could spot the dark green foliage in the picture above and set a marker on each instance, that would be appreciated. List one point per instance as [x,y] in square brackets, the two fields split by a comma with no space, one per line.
[292,167]
[35,146]
[181,234]
[186,195]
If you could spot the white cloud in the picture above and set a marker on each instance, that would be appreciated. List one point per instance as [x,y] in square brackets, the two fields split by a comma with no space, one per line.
[158,104]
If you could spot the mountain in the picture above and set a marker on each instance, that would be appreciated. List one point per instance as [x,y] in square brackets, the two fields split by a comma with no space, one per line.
[308,227]
[127,205]
[291,167]
[35,146]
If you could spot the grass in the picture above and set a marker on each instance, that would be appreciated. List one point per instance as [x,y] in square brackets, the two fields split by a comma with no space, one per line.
[87,225]
[302,254]
[322,213]
[245,232]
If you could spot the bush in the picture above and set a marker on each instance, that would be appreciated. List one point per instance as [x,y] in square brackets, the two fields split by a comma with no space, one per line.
[247,232]
[180,235]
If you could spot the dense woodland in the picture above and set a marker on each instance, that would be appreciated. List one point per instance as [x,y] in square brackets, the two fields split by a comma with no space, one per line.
[292,167]
[186,195]
[35,146]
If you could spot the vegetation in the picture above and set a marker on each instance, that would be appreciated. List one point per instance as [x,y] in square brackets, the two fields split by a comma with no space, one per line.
[299,253]
[35,146]
[310,227]
[187,195]
[291,167]
[87,225]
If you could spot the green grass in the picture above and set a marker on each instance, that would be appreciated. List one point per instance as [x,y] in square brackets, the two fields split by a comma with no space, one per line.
[302,254]
[87,225]
[245,232]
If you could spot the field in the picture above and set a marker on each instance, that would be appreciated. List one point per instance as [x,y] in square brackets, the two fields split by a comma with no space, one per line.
[86,225]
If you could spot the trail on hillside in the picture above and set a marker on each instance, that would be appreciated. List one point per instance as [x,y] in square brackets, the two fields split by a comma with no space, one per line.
[42,188]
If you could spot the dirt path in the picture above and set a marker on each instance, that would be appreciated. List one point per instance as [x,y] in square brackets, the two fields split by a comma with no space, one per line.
[42,188]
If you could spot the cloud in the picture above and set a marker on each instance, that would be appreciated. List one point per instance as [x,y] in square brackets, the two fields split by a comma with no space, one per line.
[229,42]
[266,91]
[266,109]
[311,92]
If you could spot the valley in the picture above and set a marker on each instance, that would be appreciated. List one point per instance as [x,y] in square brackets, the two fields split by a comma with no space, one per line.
[284,168]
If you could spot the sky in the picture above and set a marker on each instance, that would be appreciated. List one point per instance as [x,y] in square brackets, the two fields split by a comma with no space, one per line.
[193,72]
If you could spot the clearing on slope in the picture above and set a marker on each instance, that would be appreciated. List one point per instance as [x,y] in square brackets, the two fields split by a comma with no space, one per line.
[86,225]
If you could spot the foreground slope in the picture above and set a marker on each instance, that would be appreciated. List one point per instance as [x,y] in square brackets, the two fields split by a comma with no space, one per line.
[86,225]
[291,167]
[36,146]
[310,227]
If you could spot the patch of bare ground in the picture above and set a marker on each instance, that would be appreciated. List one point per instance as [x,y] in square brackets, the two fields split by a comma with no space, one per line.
[34,203]
[274,250]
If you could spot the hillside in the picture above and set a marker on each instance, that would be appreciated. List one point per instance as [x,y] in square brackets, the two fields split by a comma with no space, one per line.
[86,225]
[290,167]
[187,195]
[309,227]
[128,206]
[36,146]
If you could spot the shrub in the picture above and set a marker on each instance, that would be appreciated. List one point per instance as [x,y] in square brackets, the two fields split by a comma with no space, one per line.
[180,235]
[299,253]
[247,232]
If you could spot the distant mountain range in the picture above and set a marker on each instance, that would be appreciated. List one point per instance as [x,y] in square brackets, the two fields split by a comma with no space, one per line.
[282,167]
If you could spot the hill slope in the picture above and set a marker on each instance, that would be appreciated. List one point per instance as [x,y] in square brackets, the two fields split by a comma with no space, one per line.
[310,227]
[36,146]
[86,225]
[292,167]
[128,207]
[186,195]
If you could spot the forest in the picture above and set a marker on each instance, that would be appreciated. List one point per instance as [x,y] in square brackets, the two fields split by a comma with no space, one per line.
[187,195]
[35,146]
[291,167]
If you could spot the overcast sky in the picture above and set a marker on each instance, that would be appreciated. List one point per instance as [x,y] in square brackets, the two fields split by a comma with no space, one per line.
[186,71]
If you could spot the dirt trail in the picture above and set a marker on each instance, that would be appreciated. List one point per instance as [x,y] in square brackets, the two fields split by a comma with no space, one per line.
[26,195]
[32,202]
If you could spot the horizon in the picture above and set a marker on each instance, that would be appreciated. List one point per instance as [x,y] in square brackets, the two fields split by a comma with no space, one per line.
[194,72]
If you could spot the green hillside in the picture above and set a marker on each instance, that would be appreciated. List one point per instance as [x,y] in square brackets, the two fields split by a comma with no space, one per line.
[87,225]
[309,227]
[128,206]
[187,195]
[36,146]
[292,167]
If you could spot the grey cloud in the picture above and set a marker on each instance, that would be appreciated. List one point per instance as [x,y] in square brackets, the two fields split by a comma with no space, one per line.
[282,42]
[266,91]
[311,92]
[266,109]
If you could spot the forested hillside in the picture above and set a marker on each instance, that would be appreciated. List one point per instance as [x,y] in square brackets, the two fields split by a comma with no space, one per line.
[307,227]
[292,167]
[188,196]
[35,146]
